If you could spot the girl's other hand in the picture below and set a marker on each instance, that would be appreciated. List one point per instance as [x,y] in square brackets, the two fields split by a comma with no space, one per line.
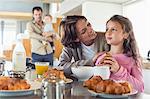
[99,60]
[96,57]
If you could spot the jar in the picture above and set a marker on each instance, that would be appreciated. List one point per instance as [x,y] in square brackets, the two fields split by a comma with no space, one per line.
[52,88]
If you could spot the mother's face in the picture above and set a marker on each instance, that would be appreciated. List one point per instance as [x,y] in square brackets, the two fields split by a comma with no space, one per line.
[85,34]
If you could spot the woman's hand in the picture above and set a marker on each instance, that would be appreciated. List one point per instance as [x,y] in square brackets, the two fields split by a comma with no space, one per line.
[112,63]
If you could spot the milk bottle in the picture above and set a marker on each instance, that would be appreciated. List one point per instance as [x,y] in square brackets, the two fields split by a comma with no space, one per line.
[19,57]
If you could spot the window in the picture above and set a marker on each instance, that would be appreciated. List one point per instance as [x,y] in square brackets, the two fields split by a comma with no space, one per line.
[7,32]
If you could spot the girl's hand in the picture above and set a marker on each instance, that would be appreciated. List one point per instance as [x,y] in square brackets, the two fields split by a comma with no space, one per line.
[112,63]
[96,57]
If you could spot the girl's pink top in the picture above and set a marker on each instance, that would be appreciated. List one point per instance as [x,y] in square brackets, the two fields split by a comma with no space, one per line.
[128,71]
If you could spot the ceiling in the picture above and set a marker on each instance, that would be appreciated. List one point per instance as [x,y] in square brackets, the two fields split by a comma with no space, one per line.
[78,10]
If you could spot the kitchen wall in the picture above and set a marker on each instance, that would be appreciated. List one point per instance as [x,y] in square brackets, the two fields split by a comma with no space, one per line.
[99,12]
[139,14]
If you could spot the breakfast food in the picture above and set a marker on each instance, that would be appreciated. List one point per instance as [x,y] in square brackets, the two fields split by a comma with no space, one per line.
[92,82]
[54,72]
[8,83]
[102,60]
[107,86]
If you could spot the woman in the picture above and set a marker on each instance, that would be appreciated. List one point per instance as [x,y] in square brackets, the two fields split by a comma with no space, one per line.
[81,43]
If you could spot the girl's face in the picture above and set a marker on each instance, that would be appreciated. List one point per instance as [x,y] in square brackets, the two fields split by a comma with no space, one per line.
[114,33]
[85,34]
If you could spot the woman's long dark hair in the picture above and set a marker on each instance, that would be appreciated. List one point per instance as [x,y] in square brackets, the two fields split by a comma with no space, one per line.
[70,31]
[129,45]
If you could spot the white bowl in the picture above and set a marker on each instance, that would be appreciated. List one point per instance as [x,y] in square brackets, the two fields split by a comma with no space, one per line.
[82,72]
[102,71]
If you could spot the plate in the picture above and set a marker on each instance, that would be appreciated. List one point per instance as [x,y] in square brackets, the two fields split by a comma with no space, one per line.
[67,80]
[113,96]
[34,86]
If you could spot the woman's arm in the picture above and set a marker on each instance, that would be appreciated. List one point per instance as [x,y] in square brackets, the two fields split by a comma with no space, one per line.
[66,61]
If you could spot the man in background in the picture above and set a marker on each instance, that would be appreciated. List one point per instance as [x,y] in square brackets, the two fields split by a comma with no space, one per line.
[40,46]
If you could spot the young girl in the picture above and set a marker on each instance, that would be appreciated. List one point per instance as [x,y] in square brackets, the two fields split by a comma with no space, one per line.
[124,61]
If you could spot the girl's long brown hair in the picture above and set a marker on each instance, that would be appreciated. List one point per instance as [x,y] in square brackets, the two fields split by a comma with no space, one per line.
[129,45]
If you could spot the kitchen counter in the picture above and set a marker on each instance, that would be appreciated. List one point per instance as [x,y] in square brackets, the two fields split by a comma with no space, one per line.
[77,91]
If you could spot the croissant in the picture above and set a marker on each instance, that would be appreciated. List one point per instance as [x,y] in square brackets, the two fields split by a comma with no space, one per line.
[107,86]
[7,83]
[92,82]
[127,87]
[101,62]
[119,90]
[100,87]
[54,72]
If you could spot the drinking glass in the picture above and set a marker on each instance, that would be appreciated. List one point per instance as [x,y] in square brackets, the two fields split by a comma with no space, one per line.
[41,67]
